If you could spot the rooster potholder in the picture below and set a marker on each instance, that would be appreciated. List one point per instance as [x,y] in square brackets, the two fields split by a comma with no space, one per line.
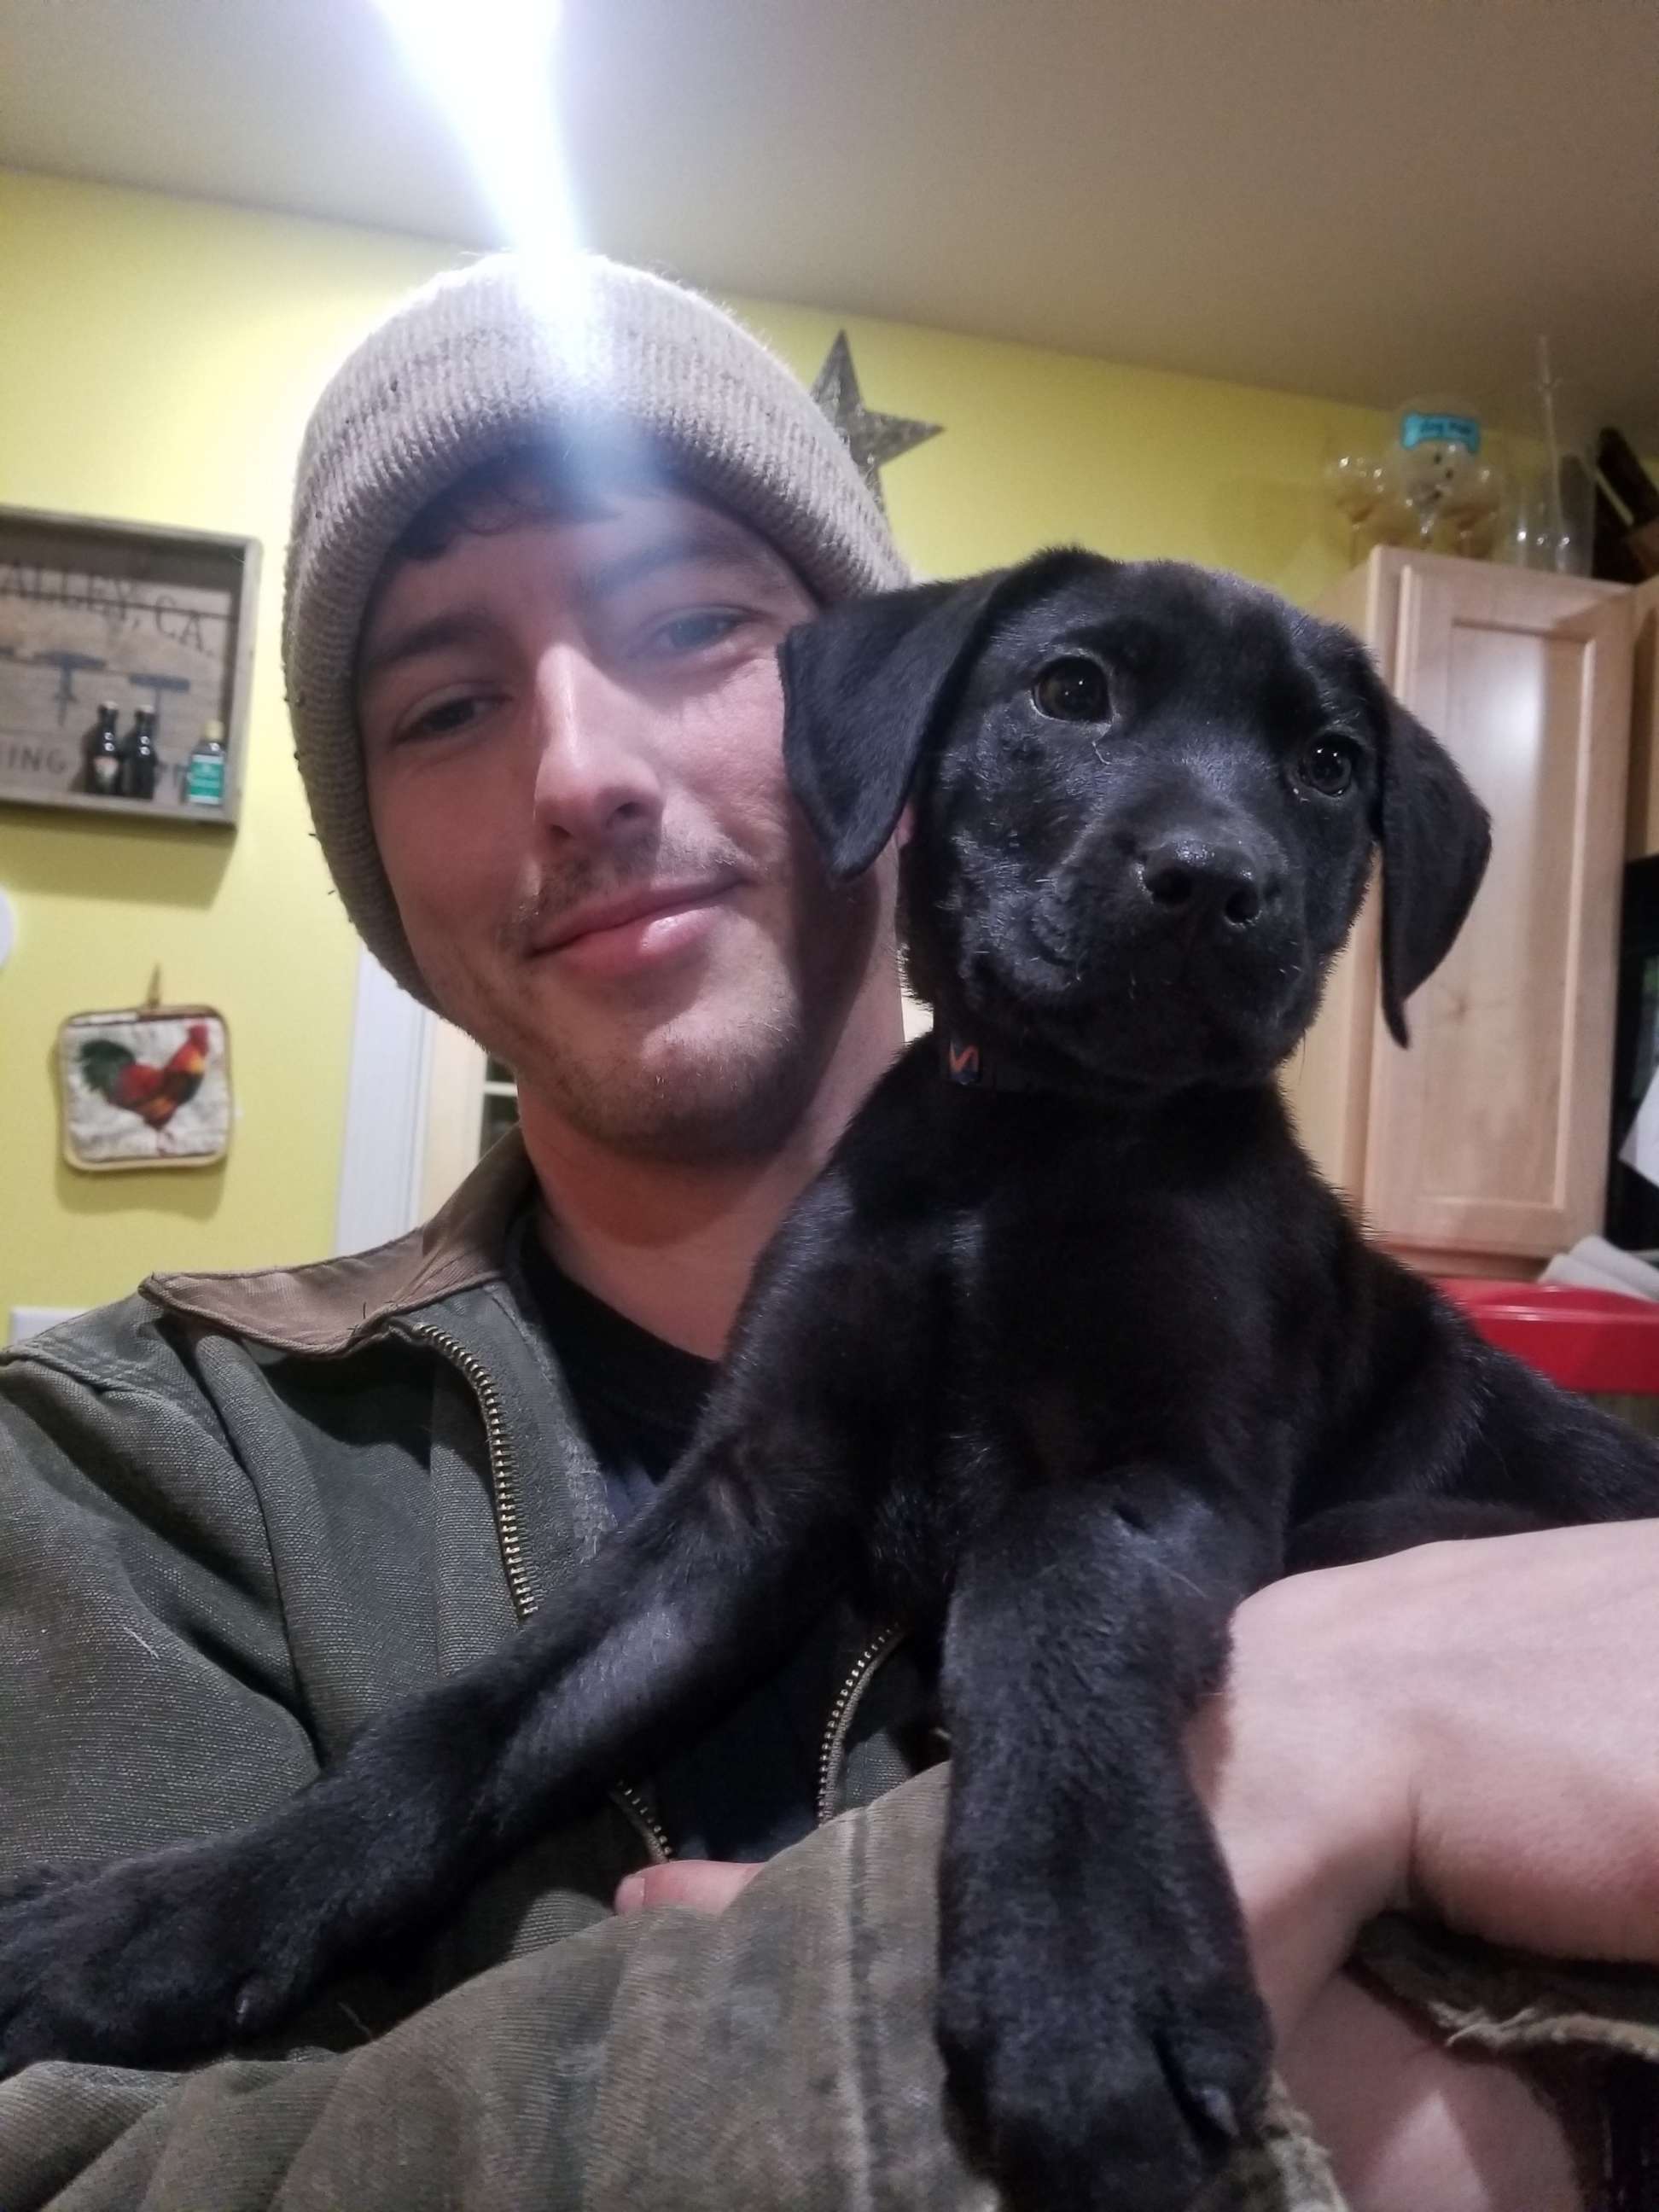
[146,1088]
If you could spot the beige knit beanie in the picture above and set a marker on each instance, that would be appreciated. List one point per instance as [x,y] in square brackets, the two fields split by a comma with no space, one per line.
[482,361]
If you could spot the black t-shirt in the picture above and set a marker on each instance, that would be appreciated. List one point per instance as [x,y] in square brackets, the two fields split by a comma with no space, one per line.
[749,1787]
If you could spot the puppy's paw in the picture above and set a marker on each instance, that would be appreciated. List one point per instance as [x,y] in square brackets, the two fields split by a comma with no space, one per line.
[34,1881]
[1100,2083]
[148,1961]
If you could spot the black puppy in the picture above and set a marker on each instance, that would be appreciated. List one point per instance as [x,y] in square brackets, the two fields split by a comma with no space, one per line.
[1066,1350]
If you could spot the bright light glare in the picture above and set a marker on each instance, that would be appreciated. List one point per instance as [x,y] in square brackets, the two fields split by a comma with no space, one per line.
[488,64]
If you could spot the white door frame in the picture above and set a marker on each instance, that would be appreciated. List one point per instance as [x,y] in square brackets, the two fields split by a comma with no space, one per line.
[383,1158]
[414,1098]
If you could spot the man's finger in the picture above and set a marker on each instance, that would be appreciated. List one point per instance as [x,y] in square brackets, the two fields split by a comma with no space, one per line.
[702,1885]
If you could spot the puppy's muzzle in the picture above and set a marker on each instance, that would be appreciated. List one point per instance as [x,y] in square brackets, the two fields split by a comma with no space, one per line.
[1212,884]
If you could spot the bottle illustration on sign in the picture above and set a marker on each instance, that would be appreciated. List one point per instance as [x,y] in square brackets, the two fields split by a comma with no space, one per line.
[104,761]
[139,758]
[204,772]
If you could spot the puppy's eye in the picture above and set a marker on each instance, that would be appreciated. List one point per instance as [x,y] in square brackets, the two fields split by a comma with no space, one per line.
[1328,766]
[1072,690]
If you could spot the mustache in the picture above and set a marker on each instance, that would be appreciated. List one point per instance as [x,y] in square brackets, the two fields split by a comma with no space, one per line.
[563,887]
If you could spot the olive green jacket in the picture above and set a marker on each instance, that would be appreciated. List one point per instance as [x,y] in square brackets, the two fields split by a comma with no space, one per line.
[240,1515]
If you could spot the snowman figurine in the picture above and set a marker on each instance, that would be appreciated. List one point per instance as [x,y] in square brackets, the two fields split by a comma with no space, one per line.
[1447,494]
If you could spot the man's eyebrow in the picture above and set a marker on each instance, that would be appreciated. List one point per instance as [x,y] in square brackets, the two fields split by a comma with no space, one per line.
[702,538]
[436,634]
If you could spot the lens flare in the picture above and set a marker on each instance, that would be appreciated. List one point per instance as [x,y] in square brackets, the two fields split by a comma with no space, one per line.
[488,66]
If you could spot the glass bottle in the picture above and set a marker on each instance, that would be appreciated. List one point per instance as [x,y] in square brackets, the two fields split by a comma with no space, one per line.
[104,761]
[205,771]
[140,760]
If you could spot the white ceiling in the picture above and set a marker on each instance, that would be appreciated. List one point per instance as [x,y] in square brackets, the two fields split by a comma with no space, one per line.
[1361,198]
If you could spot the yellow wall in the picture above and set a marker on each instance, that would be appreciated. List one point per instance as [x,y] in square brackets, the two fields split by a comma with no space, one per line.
[158,359]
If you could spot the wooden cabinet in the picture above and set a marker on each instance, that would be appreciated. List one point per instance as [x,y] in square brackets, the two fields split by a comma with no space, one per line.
[1483,1149]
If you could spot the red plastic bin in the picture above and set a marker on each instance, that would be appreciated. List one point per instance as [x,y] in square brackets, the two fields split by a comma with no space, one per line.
[1595,1341]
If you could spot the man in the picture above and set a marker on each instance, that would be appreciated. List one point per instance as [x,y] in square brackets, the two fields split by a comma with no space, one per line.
[542,551]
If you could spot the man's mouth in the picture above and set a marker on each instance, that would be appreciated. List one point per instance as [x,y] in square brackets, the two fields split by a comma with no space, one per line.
[635,929]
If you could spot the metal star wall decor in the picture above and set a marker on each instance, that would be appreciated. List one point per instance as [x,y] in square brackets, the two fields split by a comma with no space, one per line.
[872,439]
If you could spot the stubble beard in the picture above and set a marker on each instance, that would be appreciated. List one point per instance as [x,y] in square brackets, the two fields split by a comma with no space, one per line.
[712,1099]
[706,1091]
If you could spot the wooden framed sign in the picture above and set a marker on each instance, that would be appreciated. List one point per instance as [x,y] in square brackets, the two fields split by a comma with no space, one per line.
[125,654]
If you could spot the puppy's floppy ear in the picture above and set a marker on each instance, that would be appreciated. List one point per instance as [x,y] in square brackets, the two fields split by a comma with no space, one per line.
[1436,838]
[864,686]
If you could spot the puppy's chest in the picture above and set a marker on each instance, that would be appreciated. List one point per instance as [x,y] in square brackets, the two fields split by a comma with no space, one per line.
[1100,1304]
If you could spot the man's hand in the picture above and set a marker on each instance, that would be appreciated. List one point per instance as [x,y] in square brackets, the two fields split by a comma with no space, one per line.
[1467,1729]
[701,1885]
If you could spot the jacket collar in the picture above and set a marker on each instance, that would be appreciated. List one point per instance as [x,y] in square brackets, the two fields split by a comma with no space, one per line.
[332,1305]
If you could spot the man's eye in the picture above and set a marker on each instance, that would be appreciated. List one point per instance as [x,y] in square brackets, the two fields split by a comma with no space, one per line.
[445,718]
[693,633]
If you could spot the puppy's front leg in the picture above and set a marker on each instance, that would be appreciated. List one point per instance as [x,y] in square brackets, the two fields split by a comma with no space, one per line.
[1097,2012]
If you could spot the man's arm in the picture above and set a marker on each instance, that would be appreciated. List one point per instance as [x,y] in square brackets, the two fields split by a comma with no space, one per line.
[1465,1730]
[783,2054]
[148,1691]
[1409,2121]
[1406,2122]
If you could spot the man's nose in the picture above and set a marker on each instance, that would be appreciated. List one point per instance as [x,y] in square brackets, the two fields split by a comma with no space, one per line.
[595,775]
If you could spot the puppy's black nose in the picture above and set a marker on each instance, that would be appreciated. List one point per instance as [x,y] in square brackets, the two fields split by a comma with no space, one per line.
[1203,879]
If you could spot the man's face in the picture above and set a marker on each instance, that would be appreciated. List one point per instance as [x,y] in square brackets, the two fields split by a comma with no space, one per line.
[572,733]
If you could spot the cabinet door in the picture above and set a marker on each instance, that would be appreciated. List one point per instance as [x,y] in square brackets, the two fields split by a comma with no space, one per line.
[1490,1134]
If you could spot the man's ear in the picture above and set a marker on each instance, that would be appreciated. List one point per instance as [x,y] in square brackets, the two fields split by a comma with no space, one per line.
[1436,838]
[864,687]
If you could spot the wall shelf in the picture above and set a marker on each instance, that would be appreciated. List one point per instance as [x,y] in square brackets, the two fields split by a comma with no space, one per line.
[141,617]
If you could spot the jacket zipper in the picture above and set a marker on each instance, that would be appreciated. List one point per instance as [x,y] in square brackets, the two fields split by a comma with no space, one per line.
[879,1649]
[504,1501]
